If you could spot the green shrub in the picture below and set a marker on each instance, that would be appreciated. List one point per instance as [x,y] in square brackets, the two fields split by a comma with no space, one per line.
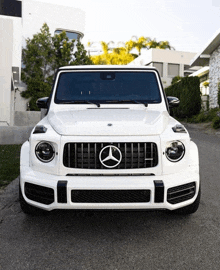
[211,114]
[216,122]
[207,103]
[219,97]
[188,92]
[176,79]
[207,116]
[201,118]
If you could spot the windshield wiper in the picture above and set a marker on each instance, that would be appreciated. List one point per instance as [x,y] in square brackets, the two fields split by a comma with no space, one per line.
[129,100]
[80,102]
[138,102]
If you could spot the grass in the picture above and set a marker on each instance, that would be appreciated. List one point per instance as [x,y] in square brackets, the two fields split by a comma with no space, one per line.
[9,163]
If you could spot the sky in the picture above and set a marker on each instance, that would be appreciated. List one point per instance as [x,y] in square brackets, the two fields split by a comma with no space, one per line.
[187,24]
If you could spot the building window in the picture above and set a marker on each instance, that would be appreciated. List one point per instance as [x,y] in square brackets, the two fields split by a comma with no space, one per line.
[11,8]
[15,74]
[70,34]
[173,70]
[159,67]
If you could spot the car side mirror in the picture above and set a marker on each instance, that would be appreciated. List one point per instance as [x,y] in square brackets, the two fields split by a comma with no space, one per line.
[173,102]
[42,103]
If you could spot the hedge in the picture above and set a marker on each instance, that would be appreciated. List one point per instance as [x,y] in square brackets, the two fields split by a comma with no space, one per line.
[219,95]
[188,92]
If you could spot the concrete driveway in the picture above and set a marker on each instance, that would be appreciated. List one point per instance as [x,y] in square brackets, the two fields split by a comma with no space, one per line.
[118,240]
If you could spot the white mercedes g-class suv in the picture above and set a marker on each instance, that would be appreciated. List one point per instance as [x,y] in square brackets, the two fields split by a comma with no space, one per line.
[108,142]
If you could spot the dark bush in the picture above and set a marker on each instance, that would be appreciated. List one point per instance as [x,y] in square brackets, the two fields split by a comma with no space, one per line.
[219,95]
[188,92]
[216,122]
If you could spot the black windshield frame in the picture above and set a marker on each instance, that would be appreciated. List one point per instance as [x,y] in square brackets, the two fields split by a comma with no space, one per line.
[131,85]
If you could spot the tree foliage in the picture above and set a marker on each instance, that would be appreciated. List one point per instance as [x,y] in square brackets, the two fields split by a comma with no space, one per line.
[176,79]
[42,56]
[122,55]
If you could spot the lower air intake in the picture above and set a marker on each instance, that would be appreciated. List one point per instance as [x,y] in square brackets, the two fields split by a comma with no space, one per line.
[110,196]
[181,193]
[39,194]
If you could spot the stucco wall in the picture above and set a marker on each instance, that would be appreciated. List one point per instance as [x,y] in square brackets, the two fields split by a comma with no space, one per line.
[14,135]
[6,48]
[29,118]
[56,16]
[214,77]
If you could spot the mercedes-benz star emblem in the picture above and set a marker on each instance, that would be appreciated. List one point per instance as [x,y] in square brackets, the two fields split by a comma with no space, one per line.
[110,156]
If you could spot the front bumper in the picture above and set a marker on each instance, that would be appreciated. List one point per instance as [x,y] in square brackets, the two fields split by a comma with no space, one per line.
[51,192]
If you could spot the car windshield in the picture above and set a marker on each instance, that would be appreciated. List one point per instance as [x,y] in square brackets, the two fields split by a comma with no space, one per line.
[106,87]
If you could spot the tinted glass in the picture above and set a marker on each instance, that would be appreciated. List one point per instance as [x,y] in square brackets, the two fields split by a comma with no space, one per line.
[70,35]
[108,86]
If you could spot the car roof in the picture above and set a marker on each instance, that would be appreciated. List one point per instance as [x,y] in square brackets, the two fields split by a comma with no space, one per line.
[108,67]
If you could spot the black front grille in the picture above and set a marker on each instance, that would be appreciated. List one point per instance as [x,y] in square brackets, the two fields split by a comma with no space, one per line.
[181,193]
[110,196]
[86,155]
[39,194]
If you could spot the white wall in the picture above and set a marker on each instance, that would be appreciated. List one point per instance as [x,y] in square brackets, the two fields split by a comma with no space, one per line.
[56,16]
[165,57]
[14,31]
[6,49]
[171,56]
[16,34]
[34,15]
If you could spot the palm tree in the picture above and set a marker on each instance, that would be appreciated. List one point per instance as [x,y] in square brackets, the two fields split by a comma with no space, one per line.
[159,45]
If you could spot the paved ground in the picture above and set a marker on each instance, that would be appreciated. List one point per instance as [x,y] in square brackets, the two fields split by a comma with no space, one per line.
[118,240]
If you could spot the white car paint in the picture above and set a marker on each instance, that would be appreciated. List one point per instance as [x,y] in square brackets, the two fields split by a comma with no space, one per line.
[111,123]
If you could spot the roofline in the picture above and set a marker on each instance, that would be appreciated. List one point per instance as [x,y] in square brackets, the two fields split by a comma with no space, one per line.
[202,58]
[106,67]
[200,72]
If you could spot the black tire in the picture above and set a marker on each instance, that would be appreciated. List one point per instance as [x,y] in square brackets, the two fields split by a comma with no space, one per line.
[29,209]
[189,209]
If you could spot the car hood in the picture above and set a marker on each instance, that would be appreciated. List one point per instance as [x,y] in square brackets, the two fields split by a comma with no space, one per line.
[106,122]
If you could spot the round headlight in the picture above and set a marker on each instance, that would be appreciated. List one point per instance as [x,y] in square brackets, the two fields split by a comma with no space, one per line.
[45,151]
[175,151]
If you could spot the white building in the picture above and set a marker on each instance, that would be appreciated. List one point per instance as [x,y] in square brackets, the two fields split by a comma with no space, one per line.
[210,57]
[20,20]
[169,63]
[203,75]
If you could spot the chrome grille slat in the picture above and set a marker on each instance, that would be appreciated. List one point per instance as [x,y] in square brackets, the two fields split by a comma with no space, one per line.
[68,155]
[95,150]
[86,155]
[81,155]
[138,155]
[75,156]
[89,155]
[132,155]
[125,155]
